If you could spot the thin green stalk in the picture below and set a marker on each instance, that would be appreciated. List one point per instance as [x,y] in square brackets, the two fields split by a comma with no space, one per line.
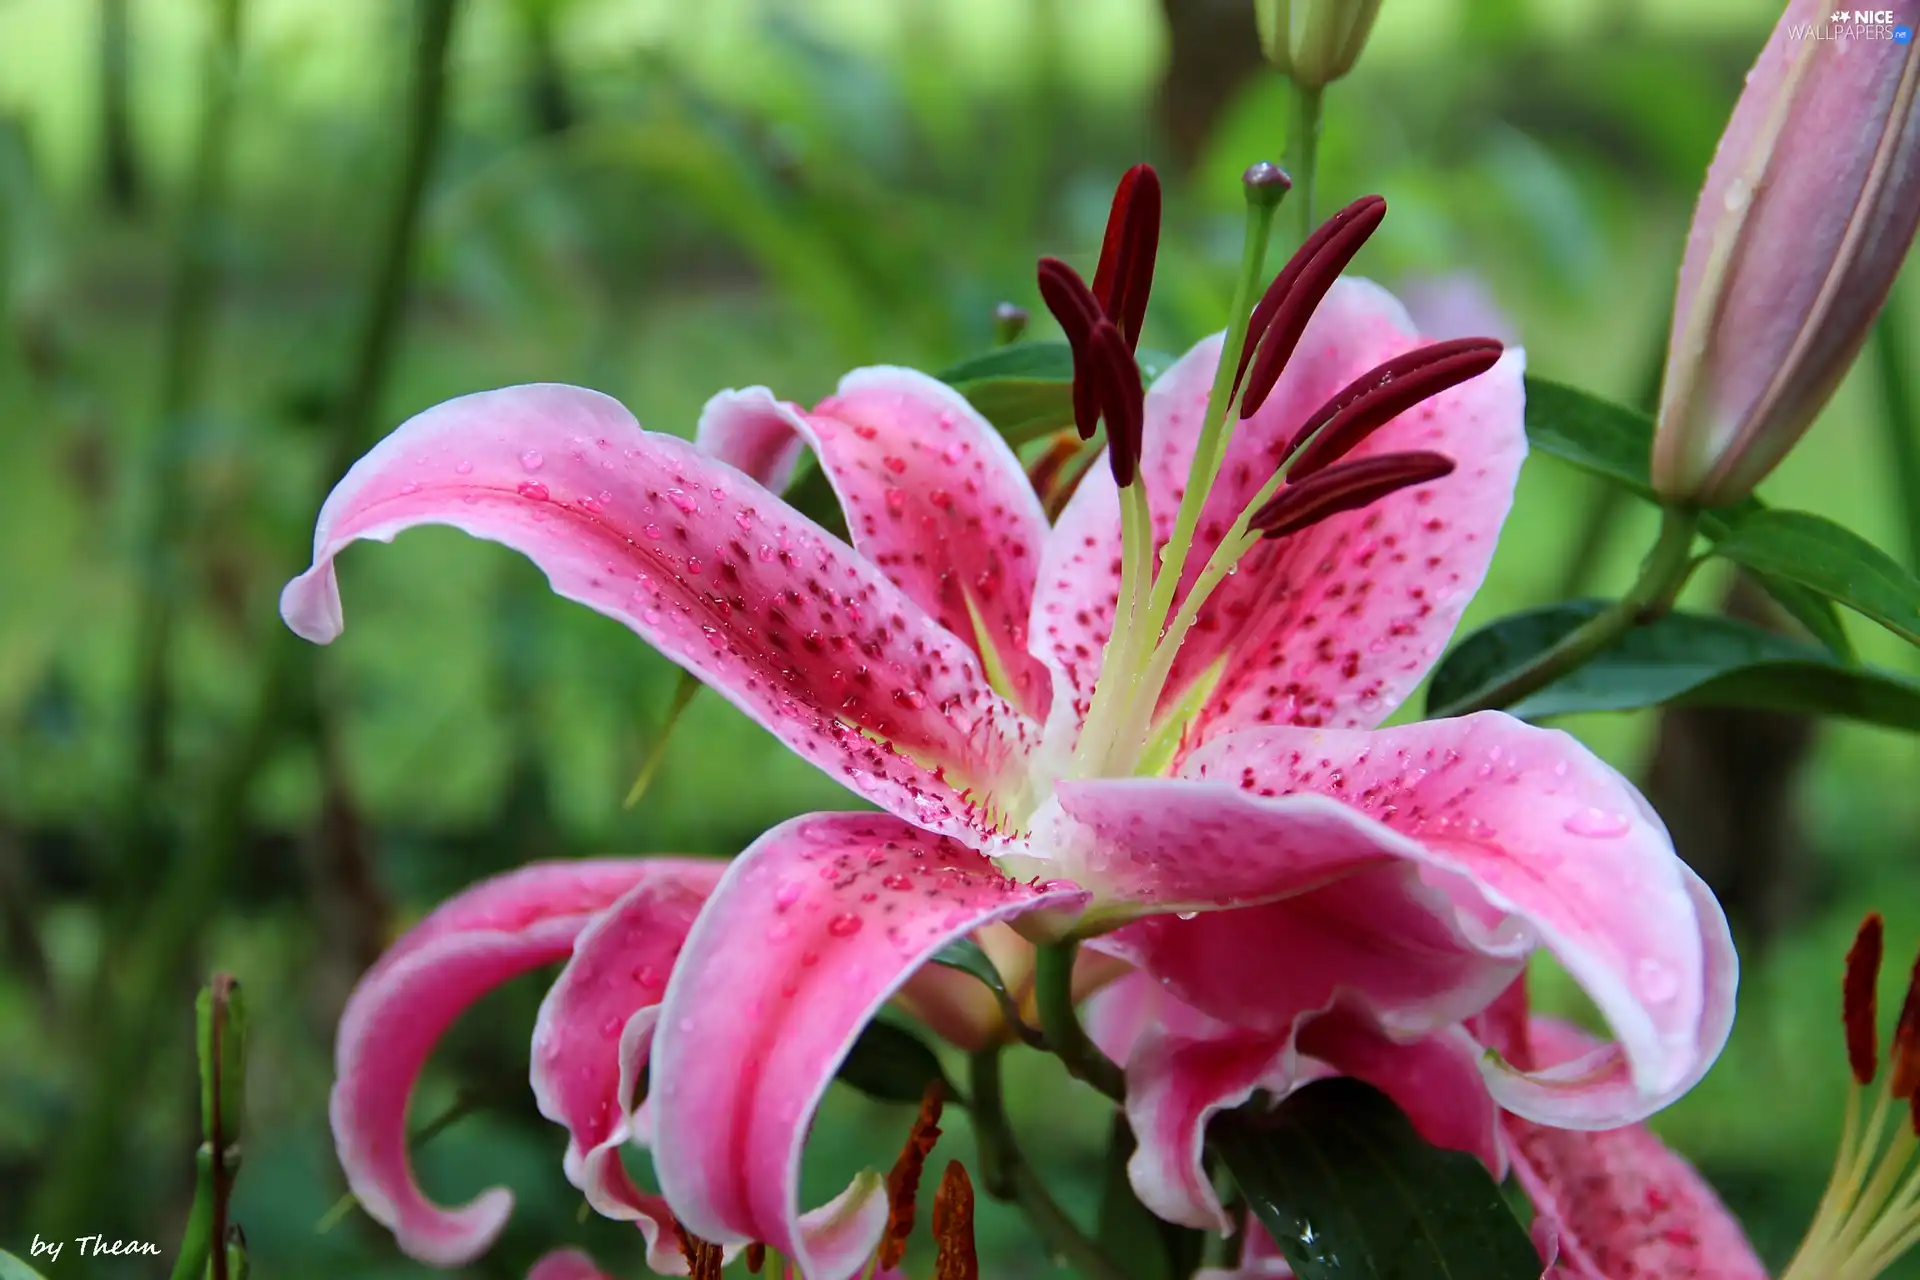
[1664,572]
[1053,993]
[1006,1175]
[1900,416]
[1303,153]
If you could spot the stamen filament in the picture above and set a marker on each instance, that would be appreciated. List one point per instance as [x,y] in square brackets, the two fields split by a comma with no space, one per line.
[1115,686]
[1263,198]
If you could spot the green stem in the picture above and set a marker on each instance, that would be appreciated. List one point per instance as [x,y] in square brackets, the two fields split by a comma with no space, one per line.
[1900,415]
[1303,153]
[1662,575]
[1006,1175]
[1053,993]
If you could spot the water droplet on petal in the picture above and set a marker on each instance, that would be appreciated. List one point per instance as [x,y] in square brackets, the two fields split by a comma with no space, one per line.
[844,925]
[532,460]
[463,468]
[652,531]
[683,500]
[1186,915]
[533,491]
[1597,824]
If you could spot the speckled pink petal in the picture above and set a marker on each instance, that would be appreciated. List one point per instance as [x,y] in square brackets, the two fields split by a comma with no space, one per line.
[1619,1204]
[785,621]
[754,432]
[1177,1081]
[1336,624]
[1174,1086]
[591,1040]
[1382,937]
[1542,830]
[934,496]
[1260,1258]
[567,1264]
[494,931]
[811,931]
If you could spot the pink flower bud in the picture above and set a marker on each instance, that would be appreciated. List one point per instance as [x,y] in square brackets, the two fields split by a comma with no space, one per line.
[1808,209]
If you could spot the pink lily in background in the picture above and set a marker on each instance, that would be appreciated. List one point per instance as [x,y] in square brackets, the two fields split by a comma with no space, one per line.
[1152,725]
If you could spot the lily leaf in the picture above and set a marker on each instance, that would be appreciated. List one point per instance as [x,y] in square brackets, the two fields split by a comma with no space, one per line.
[1615,442]
[1822,556]
[892,1064]
[1026,389]
[1683,659]
[1349,1191]
[11,1268]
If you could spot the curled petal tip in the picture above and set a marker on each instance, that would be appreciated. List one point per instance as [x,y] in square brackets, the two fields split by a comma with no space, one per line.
[310,605]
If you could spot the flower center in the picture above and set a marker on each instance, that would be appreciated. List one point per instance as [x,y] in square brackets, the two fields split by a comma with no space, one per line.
[1127,730]
[1870,1214]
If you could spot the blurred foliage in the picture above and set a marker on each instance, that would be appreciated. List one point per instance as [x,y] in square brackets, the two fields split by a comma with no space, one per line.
[662,200]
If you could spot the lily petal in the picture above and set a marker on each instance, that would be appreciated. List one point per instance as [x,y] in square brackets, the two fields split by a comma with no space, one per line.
[936,498]
[1382,936]
[494,931]
[1177,1081]
[1336,624]
[784,620]
[568,1264]
[1540,829]
[592,1037]
[810,932]
[754,432]
[1620,1202]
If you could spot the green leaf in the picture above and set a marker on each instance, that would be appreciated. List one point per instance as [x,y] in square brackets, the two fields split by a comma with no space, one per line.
[1822,556]
[1349,1191]
[1683,659]
[1026,390]
[1141,1245]
[1615,443]
[892,1064]
[11,1268]
[966,956]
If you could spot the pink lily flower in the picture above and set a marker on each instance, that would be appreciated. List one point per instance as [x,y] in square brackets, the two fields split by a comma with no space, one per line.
[1050,753]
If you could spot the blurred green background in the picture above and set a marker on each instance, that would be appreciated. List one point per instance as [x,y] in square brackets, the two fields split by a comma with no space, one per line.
[661,199]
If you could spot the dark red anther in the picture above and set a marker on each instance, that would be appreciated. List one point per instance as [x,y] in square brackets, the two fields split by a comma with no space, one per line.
[1346,486]
[1382,394]
[1127,252]
[1860,1001]
[903,1180]
[756,1258]
[1296,292]
[1116,379]
[1903,1057]
[1074,307]
[953,1226]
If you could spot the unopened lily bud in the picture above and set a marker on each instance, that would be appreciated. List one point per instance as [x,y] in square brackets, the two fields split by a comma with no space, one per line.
[1315,42]
[1808,209]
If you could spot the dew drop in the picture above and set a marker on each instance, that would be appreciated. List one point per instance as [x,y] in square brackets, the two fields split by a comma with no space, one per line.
[897,882]
[766,554]
[744,520]
[533,491]
[1597,824]
[652,531]
[683,500]
[531,460]
[896,500]
[1186,915]
[411,486]
[463,468]
[844,925]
